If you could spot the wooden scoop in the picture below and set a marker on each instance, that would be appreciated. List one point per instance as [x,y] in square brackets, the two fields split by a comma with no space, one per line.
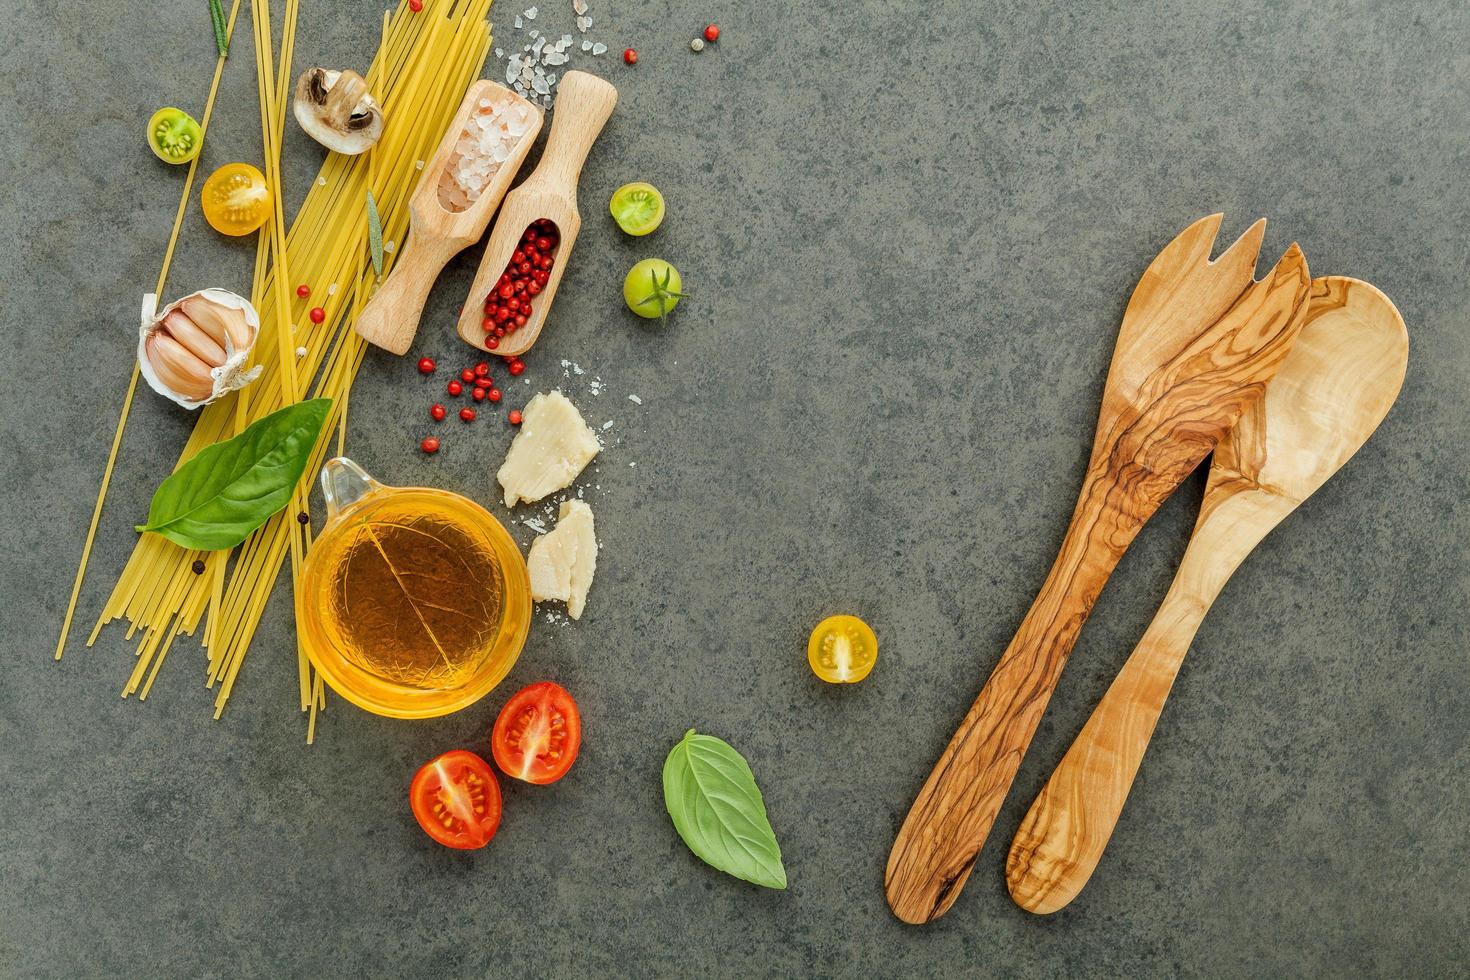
[1199,341]
[436,232]
[1334,388]
[583,104]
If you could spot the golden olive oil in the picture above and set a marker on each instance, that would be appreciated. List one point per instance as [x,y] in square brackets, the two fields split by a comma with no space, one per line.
[415,596]
[413,602]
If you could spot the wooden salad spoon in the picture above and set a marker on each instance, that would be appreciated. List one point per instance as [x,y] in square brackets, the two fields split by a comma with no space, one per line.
[438,232]
[583,104]
[1331,393]
[1198,343]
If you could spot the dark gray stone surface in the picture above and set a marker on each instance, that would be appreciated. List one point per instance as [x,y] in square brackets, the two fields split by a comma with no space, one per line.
[910,231]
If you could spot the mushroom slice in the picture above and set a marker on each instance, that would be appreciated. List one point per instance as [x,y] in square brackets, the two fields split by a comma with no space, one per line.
[336,109]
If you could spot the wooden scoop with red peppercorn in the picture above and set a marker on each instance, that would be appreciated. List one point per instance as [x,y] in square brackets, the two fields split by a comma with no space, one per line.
[533,237]
[452,205]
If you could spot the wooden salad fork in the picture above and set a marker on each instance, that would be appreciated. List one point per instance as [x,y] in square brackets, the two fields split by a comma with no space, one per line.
[1199,341]
[1333,390]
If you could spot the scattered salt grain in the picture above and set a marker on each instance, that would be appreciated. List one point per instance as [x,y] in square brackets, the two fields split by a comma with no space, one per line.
[530,13]
[388,246]
[518,23]
[418,165]
[301,352]
[608,424]
[586,45]
[535,524]
[580,6]
[599,48]
[321,182]
[332,289]
[635,399]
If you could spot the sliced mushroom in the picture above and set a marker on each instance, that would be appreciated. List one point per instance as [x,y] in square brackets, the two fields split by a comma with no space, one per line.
[336,110]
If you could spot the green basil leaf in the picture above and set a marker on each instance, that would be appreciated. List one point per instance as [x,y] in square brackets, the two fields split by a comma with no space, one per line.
[375,235]
[717,808]
[231,488]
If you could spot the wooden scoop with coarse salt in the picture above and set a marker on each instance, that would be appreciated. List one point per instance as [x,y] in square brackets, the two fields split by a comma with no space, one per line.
[452,205]
[1200,340]
[1336,385]
[583,104]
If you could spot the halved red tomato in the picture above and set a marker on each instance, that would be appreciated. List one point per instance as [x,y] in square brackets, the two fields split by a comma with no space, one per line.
[456,800]
[538,733]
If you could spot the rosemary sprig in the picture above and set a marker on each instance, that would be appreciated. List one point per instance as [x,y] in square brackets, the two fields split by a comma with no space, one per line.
[221,32]
[662,294]
[375,235]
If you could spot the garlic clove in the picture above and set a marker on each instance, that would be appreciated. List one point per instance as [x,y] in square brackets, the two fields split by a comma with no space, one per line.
[200,344]
[198,348]
[226,324]
[178,368]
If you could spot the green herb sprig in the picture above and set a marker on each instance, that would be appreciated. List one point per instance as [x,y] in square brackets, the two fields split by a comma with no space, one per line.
[375,235]
[233,487]
[717,808]
[221,31]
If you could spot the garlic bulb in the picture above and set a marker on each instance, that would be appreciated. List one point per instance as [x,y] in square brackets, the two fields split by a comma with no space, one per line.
[198,348]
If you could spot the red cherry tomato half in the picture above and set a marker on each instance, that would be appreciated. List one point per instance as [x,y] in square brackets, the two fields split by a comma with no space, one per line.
[456,799]
[538,733]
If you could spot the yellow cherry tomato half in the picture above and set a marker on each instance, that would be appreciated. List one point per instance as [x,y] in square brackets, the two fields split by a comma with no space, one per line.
[842,650]
[174,136]
[236,199]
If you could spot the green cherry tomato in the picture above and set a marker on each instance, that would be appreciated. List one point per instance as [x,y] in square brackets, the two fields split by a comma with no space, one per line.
[653,288]
[638,208]
[174,136]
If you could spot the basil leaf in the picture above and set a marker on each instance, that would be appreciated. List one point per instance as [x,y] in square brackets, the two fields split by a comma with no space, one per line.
[717,808]
[375,235]
[231,488]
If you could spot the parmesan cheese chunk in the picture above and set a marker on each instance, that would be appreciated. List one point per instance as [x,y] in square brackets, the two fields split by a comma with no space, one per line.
[563,561]
[553,446]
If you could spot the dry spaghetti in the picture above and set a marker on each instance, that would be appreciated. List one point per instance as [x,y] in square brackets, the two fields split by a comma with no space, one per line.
[425,62]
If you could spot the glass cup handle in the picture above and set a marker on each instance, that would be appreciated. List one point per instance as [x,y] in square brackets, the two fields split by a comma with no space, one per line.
[344,483]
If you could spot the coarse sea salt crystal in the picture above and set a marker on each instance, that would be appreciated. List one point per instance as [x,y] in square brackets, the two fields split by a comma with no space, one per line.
[635,399]
[598,48]
[531,13]
[321,182]
[301,352]
[586,45]
[580,6]
[608,424]
[332,289]
[518,23]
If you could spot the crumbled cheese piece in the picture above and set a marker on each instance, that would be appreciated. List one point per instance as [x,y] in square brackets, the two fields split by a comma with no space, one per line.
[563,562]
[551,448]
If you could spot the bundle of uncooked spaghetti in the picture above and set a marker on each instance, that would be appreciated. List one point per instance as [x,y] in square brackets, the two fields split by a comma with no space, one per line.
[426,61]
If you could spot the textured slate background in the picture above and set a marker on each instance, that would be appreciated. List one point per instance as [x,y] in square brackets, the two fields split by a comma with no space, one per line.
[911,231]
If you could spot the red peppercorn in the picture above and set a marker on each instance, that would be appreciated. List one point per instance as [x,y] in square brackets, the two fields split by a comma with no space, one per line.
[540,276]
[534,289]
[712,33]
[495,394]
[478,394]
[467,375]
[415,5]
[506,291]
[543,244]
[482,369]
[429,445]
[520,320]
[467,414]
[516,368]
[455,387]
[487,324]
[491,343]
[303,290]
[437,413]
[485,382]
[630,57]
[514,418]
[317,314]
[499,332]
[426,365]
[513,304]
[517,257]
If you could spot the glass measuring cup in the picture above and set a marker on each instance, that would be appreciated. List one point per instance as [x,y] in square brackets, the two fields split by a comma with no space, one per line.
[413,602]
